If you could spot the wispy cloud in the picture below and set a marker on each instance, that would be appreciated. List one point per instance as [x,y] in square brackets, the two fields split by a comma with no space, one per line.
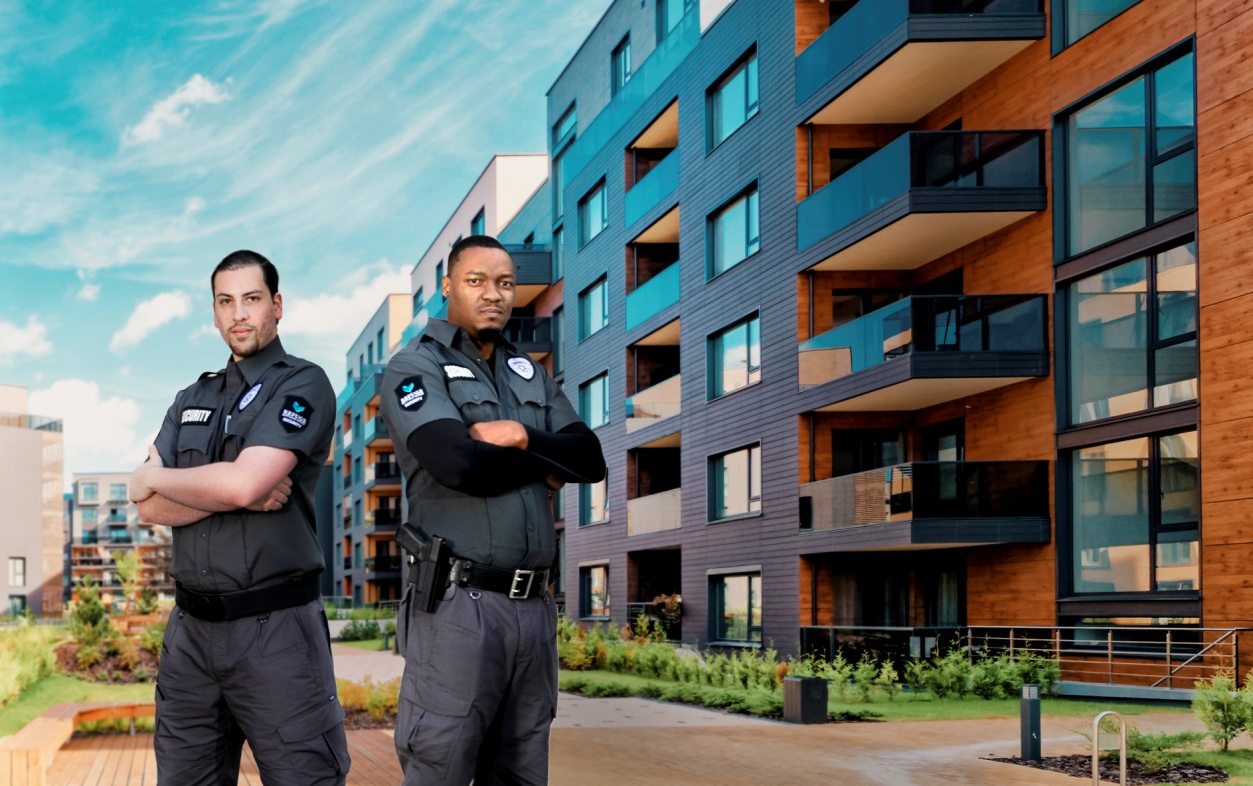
[31,340]
[172,111]
[100,432]
[41,192]
[150,315]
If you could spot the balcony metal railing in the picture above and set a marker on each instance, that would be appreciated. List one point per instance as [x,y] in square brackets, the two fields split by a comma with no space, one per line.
[347,563]
[634,610]
[386,471]
[379,564]
[926,323]
[923,159]
[384,517]
[655,512]
[32,422]
[931,490]
[659,293]
[648,192]
[660,401]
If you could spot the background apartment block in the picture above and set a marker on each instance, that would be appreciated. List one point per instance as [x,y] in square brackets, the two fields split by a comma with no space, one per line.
[105,522]
[31,518]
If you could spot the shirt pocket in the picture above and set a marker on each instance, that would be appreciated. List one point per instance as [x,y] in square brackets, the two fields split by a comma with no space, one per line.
[476,401]
[530,403]
[194,445]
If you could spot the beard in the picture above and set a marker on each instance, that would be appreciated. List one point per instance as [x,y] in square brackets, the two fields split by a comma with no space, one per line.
[490,335]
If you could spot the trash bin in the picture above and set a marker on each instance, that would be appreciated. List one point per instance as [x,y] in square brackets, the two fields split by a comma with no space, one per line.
[804,700]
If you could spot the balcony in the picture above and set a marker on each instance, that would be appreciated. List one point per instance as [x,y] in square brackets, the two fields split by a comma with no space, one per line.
[375,430]
[347,481]
[532,335]
[663,400]
[383,564]
[383,517]
[89,538]
[386,473]
[930,504]
[924,195]
[926,350]
[893,61]
[648,193]
[655,513]
[659,293]
[347,563]
[436,310]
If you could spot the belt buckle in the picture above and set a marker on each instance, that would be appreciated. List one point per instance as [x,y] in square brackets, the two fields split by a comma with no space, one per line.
[518,575]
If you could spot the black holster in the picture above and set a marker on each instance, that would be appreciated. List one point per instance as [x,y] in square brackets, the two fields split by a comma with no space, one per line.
[428,565]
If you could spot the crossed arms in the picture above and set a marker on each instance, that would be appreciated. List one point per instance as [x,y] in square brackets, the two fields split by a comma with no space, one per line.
[258,480]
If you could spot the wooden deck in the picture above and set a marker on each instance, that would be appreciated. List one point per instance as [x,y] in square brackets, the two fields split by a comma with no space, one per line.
[117,759]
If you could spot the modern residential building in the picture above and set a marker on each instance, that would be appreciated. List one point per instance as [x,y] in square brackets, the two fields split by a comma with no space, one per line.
[31,518]
[104,522]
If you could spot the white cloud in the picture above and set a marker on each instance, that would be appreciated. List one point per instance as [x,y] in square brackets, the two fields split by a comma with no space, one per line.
[99,432]
[342,316]
[41,193]
[204,331]
[30,340]
[150,315]
[172,112]
[89,292]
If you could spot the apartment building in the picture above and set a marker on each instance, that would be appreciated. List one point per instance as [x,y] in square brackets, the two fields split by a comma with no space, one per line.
[31,518]
[104,522]
[899,316]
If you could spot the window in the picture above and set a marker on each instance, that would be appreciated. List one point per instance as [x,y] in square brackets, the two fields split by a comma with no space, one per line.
[736,603]
[417,301]
[594,503]
[439,278]
[861,450]
[17,605]
[593,214]
[669,14]
[735,232]
[89,515]
[357,519]
[559,254]
[563,130]
[735,478]
[735,357]
[594,591]
[733,100]
[559,188]
[1132,331]
[559,506]
[593,308]
[88,492]
[563,137]
[1131,157]
[356,555]
[559,586]
[1135,512]
[559,341]
[478,225]
[594,401]
[117,492]
[382,346]
[339,556]
[1084,16]
[17,571]
[370,353]
[620,65]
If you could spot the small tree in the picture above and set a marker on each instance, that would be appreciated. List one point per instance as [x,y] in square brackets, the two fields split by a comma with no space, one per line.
[88,622]
[1224,710]
[126,565]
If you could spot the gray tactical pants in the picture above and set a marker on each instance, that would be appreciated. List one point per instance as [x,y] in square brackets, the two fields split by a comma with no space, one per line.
[479,691]
[268,679]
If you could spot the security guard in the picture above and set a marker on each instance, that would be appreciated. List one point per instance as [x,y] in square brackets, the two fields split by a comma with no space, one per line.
[483,434]
[246,653]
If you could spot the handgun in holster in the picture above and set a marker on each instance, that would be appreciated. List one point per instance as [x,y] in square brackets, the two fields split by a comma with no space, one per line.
[429,563]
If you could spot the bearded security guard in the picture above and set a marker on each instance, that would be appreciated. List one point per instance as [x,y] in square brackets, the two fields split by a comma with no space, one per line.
[246,653]
[483,434]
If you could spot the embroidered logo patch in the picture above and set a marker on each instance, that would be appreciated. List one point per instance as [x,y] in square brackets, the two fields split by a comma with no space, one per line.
[249,396]
[295,414]
[196,416]
[410,394]
[458,372]
[522,367]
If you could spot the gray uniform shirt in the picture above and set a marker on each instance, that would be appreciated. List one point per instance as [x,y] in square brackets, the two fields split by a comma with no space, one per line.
[271,399]
[442,376]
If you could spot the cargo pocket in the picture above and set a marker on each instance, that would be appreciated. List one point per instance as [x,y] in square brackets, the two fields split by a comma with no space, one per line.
[433,739]
[315,743]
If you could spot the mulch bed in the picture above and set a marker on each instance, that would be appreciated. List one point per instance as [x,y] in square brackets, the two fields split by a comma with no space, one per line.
[67,661]
[360,719]
[1081,767]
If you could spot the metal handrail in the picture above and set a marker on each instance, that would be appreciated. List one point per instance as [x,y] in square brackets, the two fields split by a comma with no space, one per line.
[1167,679]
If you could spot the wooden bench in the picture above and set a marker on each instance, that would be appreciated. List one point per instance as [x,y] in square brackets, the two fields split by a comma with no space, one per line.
[25,757]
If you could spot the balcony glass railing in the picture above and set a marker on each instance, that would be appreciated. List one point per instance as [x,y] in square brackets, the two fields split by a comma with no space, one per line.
[379,564]
[386,471]
[870,21]
[652,188]
[931,490]
[384,517]
[922,159]
[663,400]
[32,422]
[661,292]
[437,310]
[522,331]
[926,323]
[655,512]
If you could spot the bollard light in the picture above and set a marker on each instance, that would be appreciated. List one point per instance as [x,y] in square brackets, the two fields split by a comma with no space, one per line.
[1030,711]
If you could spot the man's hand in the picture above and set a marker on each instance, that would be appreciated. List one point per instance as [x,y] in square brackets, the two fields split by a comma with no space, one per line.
[276,499]
[502,433]
[139,488]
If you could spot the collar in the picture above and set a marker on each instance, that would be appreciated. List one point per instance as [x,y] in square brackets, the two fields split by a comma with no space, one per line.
[253,366]
[454,337]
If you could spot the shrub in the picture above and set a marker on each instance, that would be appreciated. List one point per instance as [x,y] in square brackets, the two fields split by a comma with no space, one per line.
[950,676]
[916,672]
[151,639]
[361,630]
[141,674]
[127,655]
[88,655]
[1157,752]
[25,658]
[88,623]
[147,602]
[864,674]
[606,690]
[886,681]
[1224,710]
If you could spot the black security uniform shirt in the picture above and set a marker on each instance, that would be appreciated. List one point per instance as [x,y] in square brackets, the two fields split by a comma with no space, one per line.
[270,399]
[442,376]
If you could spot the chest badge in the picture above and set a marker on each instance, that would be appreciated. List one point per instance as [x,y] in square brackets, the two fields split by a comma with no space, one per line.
[522,367]
[410,394]
[249,396]
[295,414]
[458,372]
[195,416]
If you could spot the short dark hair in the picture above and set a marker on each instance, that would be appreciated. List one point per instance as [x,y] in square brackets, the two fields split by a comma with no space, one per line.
[245,258]
[473,241]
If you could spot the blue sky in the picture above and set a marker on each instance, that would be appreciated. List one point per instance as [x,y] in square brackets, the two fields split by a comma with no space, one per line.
[141,141]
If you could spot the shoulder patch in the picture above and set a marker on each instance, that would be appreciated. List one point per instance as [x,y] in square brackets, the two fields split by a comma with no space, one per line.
[249,396]
[195,416]
[295,414]
[410,393]
[458,372]
[522,367]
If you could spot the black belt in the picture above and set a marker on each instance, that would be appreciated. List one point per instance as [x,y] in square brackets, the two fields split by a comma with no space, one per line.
[517,584]
[248,603]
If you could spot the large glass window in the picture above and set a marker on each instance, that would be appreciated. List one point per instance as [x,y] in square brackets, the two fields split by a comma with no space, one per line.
[356,555]
[669,14]
[559,341]
[594,591]
[478,225]
[620,65]
[559,189]
[736,601]
[735,232]
[593,214]
[559,254]
[117,492]
[17,571]
[1131,157]
[733,101]
[594,401]
[593,308]
[559,585]
[594,502]
[1136,515]
[563,129]
[1132,335]
[736,481]
[1084,16]
[88,492]
[89,515]
[735,357]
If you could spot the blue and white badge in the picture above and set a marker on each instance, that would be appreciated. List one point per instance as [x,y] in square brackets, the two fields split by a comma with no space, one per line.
[249,396]
[522,367]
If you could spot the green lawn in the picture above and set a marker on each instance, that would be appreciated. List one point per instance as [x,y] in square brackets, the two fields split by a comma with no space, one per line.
[1237,763]
[367,644]
[57,689]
